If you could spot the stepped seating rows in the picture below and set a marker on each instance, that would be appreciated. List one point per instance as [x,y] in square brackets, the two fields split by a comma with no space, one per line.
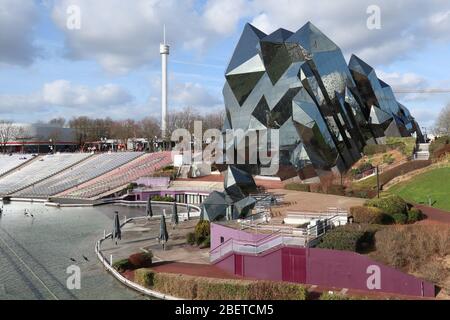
[91,168]
[143,166]
[41,168]
[9,162]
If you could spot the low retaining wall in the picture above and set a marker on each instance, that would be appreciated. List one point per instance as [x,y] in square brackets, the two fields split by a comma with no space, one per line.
[328,268]
[122,279]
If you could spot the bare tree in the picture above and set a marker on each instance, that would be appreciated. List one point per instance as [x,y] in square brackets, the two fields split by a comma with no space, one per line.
[149,129]
[8,132]
[183,119]
[58,122]
[442,126]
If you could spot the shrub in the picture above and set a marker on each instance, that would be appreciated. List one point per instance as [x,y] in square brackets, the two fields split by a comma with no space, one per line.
[388,159]
[369,215]
[190,238]
[122,265]
[414,215]
[348,238]
[405,145]
[400,218]
[144,277]
[367,165]
[372,149]
[333,296]
[297,187]
[412,247]
[140,260]
[439,146]
[202,231]
[206,243]
[390,205]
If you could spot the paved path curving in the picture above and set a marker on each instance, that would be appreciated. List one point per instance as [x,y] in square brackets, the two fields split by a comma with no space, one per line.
[434,214]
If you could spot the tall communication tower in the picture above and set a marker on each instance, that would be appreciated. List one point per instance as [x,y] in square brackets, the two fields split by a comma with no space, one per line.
[164,51]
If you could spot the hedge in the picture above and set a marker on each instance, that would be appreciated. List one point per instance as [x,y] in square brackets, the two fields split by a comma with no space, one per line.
[400,218]
[369,215]
[122,265]
[135,261]
[390,205]
[414,215]
[333,296]
[202,288]
[141,260]
[348,238]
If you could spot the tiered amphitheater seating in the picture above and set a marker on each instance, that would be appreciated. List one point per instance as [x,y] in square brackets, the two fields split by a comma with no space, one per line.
[93,167]
[9,162]
[39,169]
[143,166]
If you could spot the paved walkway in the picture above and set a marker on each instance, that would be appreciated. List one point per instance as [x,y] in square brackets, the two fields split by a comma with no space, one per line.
[434,214]
[193,269]
[312,202]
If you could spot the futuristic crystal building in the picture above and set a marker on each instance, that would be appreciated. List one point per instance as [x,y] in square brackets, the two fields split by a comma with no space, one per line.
[325,110]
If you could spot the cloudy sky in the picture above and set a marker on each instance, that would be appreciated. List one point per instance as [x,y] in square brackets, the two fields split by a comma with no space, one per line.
[110,66]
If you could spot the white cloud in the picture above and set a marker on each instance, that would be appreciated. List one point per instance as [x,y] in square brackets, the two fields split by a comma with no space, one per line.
[17,20]
[122,36]
[406,25]
[64,95]
[403,81]
[223,16]
[194,95]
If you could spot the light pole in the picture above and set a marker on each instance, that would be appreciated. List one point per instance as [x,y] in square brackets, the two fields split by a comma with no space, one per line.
[378,183]
[50,145]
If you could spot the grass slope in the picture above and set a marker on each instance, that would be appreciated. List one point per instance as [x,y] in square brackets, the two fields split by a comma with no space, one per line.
[434,183]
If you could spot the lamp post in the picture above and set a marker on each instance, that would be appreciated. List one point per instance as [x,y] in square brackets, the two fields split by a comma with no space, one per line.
[50,145]
[378,183]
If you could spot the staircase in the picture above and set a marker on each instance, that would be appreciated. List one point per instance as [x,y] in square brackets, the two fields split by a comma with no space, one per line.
[422,151]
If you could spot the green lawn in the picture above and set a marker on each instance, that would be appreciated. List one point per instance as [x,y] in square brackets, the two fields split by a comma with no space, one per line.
[434,183]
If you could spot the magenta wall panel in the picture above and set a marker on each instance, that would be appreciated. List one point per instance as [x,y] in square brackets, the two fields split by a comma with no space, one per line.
[351,270]
[254,269]
[227,264]
[294,264]
[329,268]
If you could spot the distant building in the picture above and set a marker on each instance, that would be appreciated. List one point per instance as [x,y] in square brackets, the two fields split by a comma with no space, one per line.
[40,138]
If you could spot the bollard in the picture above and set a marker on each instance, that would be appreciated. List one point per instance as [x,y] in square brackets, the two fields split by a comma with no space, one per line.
[104,234]
[111,260]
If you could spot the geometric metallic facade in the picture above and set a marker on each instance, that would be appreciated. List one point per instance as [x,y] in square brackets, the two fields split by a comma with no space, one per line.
[325,111]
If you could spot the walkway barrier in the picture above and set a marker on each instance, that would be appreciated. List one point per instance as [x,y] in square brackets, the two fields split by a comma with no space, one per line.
[282,235]
[108,264]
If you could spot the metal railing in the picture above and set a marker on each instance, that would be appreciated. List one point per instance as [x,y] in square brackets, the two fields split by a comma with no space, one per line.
[281,235]
[108,265]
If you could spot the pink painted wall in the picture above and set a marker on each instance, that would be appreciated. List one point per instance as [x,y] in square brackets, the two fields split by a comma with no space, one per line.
[219,230]
[349,270]
[329,268]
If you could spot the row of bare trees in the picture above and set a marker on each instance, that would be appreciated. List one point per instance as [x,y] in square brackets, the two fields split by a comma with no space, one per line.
[89,129]
[95,129]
